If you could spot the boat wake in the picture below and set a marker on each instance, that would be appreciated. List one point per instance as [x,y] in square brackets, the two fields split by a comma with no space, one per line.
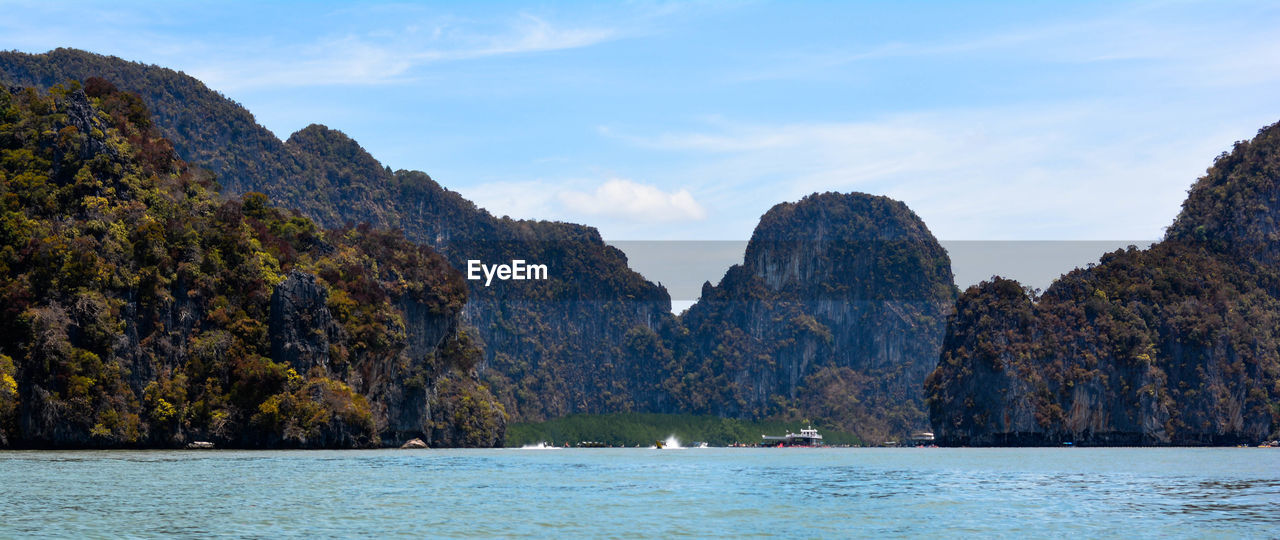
[541,445]
[671,443]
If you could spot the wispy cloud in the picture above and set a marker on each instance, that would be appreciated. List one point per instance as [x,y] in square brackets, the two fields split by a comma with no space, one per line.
[995,173]
[1156,43]
[529,34]
[370,45]
[384,57]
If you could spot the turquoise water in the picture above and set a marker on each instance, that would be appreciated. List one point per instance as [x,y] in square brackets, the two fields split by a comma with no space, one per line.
[644,493]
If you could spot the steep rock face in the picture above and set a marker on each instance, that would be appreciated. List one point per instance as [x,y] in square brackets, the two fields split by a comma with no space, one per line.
[998,396]
[136,309]
[1171,345]
[425,390]
[301,327]
[837,312]
[551,348]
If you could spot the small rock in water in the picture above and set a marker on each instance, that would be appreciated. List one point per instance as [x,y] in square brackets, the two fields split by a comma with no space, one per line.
[200,445]
[414,443]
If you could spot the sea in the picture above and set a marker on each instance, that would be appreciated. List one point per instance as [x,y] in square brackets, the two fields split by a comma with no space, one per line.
[644,493]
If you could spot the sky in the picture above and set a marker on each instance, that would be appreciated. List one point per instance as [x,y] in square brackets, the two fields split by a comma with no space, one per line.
[687,121]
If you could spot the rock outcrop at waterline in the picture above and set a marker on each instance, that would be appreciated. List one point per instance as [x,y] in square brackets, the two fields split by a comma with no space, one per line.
[837,312]
[139,310]
[1174,345]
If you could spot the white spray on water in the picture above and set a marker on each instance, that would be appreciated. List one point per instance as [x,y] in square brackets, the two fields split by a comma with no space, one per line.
[541,445]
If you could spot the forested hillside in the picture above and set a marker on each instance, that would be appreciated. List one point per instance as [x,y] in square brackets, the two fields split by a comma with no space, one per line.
[137,308]
[1172,345]
[551,348]
[142,307]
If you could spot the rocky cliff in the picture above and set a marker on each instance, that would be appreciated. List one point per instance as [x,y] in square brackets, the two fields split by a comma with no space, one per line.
[138,309]
[837,312]
[550,348]
[1171,345]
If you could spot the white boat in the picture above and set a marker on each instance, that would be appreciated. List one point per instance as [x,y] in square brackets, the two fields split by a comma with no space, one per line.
[807,437]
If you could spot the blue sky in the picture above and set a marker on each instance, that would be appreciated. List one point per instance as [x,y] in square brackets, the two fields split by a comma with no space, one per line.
[655,121]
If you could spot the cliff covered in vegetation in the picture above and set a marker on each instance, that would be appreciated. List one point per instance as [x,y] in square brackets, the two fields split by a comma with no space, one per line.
[849,341]
[1176,344]
[568,344]
[837,312]
[139,309]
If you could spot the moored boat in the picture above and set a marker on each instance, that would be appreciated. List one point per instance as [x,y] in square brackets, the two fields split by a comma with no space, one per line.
[807,437]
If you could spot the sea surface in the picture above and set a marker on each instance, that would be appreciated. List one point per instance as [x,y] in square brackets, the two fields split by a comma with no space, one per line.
[644,493]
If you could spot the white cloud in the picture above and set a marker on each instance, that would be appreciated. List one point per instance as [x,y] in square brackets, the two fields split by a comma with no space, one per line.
[615,202]
[1061,171]
[619,197]
[1072,172]
[520,200]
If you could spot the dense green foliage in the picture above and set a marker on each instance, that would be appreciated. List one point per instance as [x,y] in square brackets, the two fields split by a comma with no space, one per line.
[836,313]
[1176,344]
[632,429]
[136,303]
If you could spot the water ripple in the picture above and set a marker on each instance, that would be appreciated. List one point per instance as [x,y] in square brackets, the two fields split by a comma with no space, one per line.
[628,493]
